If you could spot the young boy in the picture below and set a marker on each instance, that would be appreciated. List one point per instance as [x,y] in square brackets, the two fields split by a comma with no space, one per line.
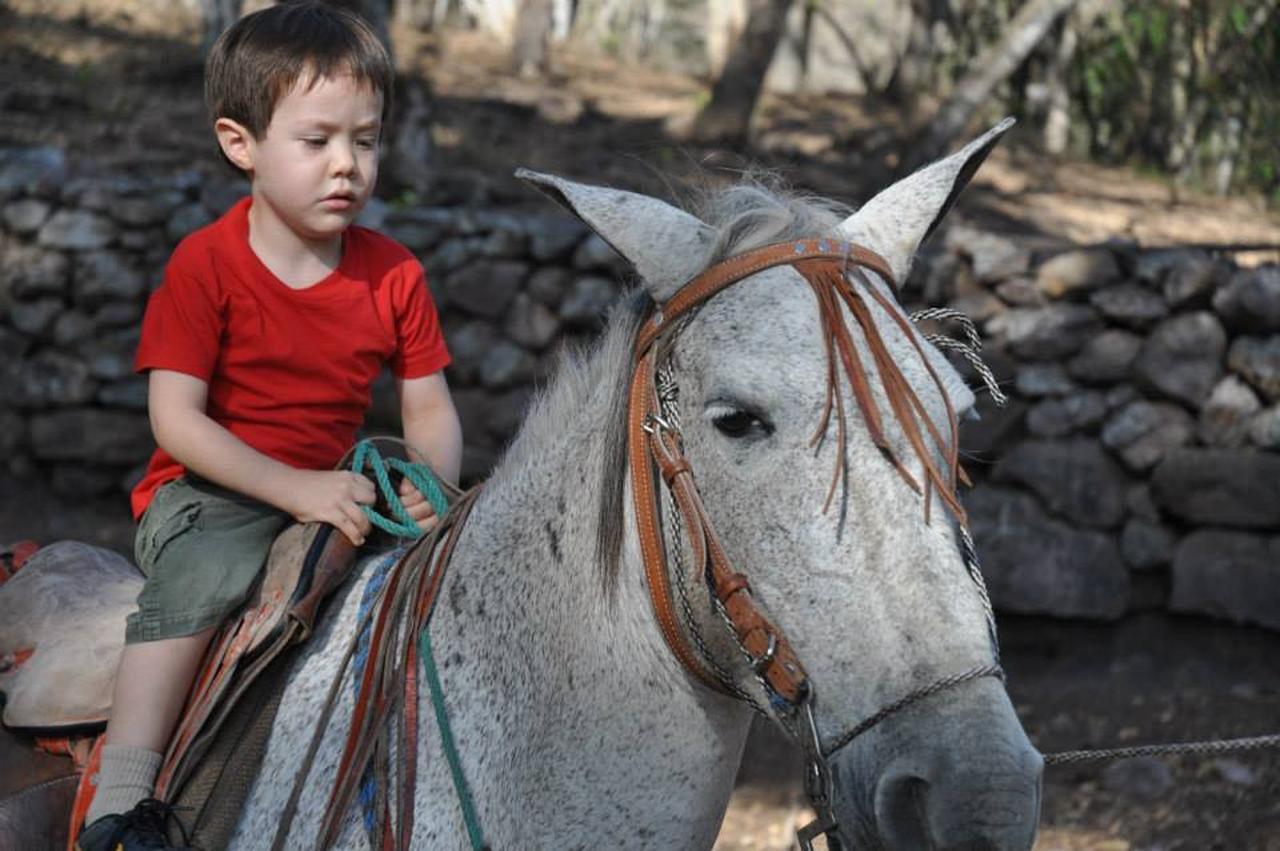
[260,348]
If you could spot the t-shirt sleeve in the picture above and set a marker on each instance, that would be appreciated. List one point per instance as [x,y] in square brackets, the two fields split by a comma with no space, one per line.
[182,326]
[420,347]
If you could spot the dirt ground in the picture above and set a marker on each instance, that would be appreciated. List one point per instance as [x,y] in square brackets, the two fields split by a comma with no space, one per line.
[117,82]
[1148,679]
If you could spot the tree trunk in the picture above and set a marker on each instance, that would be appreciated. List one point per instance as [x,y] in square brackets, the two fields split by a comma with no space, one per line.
[733,98]
[216,16]
[1180,129]
[1226,153]
[409,161]
[912,72]
[726,19]
[529,56]
[416,14]
[991,67]
[1057,121]
[562,14]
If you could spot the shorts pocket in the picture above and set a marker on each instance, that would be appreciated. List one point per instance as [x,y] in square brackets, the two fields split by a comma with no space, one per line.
[179,521]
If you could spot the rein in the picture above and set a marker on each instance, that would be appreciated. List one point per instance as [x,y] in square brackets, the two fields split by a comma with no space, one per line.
[834,271]
[395,634]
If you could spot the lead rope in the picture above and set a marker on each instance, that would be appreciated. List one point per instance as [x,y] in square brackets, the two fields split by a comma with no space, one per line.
[1251,743]
[970,349]
[424,479]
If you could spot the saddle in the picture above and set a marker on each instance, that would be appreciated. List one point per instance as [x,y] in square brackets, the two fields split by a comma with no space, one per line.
[62,622]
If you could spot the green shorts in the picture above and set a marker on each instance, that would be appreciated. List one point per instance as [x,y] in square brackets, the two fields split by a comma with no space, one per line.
[201,548]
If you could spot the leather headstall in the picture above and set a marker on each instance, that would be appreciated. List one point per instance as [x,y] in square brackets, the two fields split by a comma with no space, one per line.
[653,443]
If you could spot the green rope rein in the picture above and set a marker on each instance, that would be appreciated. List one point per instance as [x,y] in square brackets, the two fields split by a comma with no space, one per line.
[469,816]
[402,526]
[422,477]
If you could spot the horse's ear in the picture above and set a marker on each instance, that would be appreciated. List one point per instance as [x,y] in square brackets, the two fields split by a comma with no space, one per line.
[900,218]
[667,246]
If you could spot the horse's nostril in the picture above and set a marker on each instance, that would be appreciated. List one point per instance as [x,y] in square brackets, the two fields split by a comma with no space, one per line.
[901,811]
[919,809]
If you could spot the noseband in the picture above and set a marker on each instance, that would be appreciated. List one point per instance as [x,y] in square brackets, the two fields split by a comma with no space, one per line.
[831,268]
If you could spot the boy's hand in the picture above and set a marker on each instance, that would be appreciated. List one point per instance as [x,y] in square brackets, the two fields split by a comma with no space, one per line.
[418,506]
[334,497]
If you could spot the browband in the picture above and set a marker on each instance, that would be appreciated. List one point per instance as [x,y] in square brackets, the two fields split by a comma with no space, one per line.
[729,272]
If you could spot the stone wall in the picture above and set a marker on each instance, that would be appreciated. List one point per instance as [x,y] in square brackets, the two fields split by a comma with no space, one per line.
[1136,466]
[80,254]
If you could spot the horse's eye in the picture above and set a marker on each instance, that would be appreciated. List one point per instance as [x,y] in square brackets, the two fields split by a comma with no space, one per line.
[738,424]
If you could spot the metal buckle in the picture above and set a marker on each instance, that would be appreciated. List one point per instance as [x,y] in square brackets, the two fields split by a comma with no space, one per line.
[817,786]
[654,423]
[820,827]
[759,663]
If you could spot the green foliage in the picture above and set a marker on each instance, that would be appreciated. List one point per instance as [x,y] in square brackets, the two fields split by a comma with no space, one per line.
[405,200]
[1189,87]
[1239,18]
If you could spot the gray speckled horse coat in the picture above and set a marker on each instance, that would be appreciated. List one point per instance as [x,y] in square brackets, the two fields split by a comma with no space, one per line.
[577,728]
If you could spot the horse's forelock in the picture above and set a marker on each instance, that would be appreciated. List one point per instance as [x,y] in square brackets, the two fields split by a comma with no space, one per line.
[760,211]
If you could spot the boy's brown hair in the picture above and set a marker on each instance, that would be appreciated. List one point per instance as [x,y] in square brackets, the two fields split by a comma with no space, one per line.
[261,57]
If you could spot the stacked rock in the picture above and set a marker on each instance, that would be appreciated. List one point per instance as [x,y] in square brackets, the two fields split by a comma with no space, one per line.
[80,255]
[1137,463]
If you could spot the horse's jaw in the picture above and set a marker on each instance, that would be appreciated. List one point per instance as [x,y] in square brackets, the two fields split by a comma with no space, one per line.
[955,773]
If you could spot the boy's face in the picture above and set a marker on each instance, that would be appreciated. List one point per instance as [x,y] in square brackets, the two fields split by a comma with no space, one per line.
[316,165]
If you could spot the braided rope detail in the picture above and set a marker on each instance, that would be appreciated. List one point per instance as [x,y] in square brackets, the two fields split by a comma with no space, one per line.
[914,697]
[669,409]
[969,553]
[1251,743]
[970,348]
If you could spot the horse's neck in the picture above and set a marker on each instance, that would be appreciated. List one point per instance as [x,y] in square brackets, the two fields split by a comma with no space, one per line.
[575,715]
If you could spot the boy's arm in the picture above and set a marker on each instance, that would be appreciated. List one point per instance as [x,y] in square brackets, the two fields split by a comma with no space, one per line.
[432,430]
[176,404]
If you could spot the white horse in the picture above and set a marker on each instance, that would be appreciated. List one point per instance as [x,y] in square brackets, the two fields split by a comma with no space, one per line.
[574,722]
[575,725]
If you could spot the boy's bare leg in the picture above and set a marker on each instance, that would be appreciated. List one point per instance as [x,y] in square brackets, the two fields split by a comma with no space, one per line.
[151,687]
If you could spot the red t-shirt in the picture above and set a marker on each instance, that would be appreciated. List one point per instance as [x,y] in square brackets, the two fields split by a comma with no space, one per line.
[288,370]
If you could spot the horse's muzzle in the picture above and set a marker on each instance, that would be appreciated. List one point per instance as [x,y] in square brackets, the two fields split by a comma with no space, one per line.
[955,774]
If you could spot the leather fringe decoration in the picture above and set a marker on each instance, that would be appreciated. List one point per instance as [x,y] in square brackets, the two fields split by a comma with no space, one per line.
[832,282]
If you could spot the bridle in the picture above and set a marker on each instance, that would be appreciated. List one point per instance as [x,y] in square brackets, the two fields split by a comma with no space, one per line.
[833,269]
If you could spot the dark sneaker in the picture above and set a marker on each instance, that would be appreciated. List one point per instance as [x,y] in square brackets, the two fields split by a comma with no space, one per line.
[140,829]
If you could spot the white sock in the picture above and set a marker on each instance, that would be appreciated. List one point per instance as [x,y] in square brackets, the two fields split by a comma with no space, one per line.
[126,777]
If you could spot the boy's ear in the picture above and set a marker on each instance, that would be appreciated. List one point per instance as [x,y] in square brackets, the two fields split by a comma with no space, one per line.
[236,142]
